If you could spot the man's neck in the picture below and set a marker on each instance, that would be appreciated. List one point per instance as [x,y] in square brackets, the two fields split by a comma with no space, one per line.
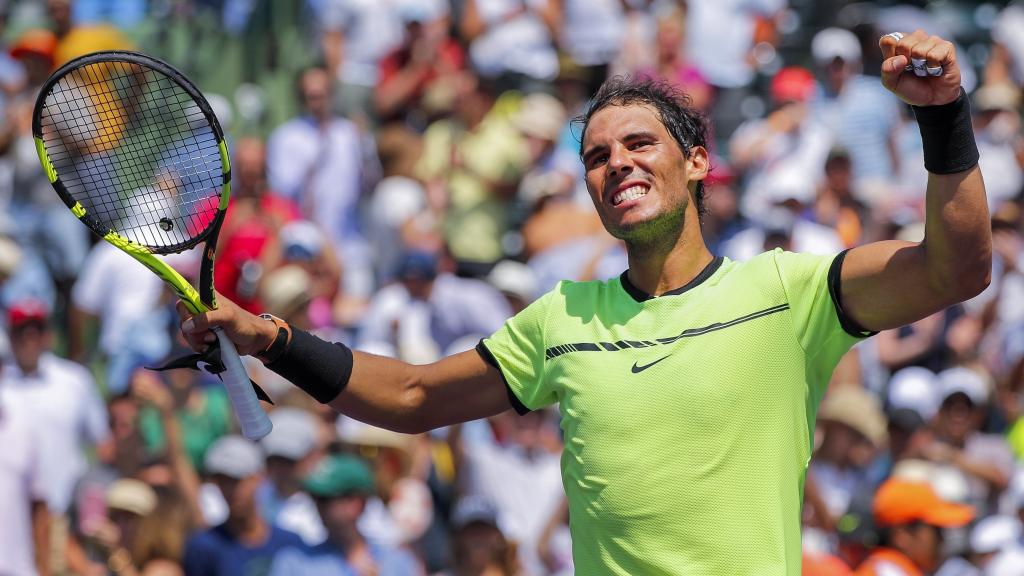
[655,269]
[249,530]
[347,540]
[30,369]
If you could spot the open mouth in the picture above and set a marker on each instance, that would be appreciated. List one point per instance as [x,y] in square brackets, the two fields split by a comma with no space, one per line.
[632,193]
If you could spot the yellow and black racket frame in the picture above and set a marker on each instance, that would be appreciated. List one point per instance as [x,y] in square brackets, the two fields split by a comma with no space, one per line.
[197,301]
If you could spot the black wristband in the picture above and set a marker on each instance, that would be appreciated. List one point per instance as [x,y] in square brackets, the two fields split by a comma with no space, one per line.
[948,136]
[318,367]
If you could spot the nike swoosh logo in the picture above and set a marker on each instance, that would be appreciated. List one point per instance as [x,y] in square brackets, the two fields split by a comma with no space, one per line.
[638,369]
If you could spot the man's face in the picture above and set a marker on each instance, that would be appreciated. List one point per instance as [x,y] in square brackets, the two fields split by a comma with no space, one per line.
[636,173]
[240,495]
[28,342]
[282,471]
[923,545]
[316,93]
[957,417]
[340,512]
[250,166]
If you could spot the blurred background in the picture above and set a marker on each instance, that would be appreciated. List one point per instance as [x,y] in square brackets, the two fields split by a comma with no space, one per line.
[406,177]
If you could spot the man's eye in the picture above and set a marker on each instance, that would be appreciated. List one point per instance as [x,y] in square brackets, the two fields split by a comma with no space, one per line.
[598,160]
[639,145]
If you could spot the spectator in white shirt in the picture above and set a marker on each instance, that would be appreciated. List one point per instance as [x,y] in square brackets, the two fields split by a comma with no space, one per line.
[61,397]
[112,287]
[24,529]
[316,161]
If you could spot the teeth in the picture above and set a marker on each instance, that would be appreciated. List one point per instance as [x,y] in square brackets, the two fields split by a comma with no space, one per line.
[631,193]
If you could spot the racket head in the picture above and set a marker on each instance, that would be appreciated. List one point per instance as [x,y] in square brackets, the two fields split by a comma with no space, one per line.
[133,149]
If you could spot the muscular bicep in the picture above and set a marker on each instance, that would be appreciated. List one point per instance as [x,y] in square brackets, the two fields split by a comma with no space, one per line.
[891,283]
[412,398]
[886,284]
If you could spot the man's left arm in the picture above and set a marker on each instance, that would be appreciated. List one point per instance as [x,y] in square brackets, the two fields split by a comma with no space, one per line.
[891,283]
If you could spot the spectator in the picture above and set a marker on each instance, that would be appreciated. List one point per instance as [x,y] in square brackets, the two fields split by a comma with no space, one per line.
[245,541]
[720,39]
[835,205]
[519,472]
[121,533]
[782,155]
[24,532]
[671,64]
[316,161]
[478,157]
[357,36]
[62,398]
[397,199]
[400,510]
[854,432]
[478,546]
[341,484]
[861,115]
[990,536]
[305,246]
[984,459]
[911,517]
[1006,58]
[291,449]
[250,228]
[516,282]
[427,59]
[512,41]
[591,34]
[1000,143]
[114,291]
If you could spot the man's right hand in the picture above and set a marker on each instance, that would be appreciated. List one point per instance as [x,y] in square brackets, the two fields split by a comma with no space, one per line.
[250,333]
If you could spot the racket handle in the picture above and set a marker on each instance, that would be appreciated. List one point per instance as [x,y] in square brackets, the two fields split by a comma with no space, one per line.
[251,417]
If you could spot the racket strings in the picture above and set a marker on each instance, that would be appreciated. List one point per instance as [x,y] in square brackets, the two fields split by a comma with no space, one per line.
[136,150]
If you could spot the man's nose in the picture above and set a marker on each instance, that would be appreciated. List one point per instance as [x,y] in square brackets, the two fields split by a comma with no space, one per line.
[620,160]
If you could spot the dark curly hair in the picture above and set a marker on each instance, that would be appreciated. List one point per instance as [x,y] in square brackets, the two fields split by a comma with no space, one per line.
[685,123]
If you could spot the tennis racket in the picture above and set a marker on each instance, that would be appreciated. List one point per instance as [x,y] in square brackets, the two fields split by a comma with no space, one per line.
[136,153]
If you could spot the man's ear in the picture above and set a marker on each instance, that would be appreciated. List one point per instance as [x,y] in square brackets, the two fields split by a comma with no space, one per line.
[698,163]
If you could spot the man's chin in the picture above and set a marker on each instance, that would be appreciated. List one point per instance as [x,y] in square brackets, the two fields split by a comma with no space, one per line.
[644,231]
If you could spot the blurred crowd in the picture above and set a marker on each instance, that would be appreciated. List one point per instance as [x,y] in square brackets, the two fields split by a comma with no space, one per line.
[406,176]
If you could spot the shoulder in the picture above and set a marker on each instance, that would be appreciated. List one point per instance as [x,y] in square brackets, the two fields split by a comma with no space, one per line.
[345,128]
[394,560]
[294,128]
[454,286]
[67,371]
[780,270]
[281,538]
[205,541]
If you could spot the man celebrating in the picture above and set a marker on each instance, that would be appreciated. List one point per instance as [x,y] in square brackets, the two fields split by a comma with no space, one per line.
[689,385]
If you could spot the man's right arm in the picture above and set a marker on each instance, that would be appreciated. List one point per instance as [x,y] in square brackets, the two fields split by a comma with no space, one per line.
[415,398]
[380,391]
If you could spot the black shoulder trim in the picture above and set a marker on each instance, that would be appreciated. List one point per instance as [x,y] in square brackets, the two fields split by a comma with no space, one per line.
[484,353]
[834,279]
[641,296]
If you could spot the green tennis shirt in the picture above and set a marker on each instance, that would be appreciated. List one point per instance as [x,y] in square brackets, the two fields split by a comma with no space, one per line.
[688,418]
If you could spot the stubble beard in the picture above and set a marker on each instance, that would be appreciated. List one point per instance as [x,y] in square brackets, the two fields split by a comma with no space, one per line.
[658,235]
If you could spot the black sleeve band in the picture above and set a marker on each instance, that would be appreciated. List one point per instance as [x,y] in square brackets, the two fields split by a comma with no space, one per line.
[320,368]
[517,405]
[834,289]
[948,136]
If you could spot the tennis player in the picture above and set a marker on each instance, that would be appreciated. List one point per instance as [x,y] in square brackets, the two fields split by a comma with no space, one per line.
[689,385]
